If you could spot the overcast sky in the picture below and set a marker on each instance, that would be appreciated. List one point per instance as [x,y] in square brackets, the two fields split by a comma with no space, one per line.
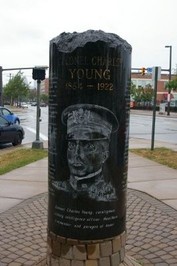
[27,26]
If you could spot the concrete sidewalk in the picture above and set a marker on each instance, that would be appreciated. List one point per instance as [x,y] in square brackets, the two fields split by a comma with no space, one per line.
[23,183]
[154,179]
[151,213]
[144,175]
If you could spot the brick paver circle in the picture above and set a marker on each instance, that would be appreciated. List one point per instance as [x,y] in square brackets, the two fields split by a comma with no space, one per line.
[151,231]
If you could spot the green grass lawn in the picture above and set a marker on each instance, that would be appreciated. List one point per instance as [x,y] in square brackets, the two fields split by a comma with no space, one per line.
[23,156]
[20,157]
[160,155]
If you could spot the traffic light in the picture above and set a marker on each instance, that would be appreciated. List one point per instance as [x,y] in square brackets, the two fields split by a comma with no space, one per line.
[143,71]
[38,73]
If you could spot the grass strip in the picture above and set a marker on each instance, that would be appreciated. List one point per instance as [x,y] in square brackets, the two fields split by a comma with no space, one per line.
[162,155]
[20,157]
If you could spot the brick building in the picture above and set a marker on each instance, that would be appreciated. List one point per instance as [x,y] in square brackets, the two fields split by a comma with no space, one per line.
[45,86]
[138,80]
[142,81]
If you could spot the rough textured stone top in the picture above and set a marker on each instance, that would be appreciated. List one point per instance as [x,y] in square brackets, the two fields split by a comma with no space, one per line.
[68,42]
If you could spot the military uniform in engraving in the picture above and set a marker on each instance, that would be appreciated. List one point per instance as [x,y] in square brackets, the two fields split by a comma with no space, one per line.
[89,129]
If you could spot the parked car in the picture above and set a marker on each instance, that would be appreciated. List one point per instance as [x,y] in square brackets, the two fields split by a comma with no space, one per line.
[33,103]
[10,116]
[22,105]
[43,104]
[10,133]
[173,103]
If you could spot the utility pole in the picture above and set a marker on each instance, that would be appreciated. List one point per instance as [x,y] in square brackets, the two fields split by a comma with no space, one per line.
[154,107]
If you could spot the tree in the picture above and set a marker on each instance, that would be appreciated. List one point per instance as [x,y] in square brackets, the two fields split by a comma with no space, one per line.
[141,94]
[135,93]
[44,98]
[147,94]
[171,85]
[132,90]
[32,95]
[16,89]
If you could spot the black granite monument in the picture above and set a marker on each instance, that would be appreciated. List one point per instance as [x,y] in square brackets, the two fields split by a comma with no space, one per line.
[89,100]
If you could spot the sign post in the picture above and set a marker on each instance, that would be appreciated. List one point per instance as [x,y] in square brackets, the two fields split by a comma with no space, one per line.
[38,74]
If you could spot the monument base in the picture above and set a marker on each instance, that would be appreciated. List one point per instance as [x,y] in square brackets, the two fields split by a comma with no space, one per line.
[129,261]
[107,252]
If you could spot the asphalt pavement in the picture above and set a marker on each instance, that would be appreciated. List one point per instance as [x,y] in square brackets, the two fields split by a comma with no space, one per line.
[151,212]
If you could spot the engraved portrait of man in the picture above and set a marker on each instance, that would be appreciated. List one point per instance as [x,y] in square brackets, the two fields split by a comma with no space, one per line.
[89,129]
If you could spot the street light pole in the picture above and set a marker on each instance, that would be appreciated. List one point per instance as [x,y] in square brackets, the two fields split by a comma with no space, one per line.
[169,91]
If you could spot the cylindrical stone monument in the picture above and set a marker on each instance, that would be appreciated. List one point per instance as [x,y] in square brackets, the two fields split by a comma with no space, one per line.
[89,99]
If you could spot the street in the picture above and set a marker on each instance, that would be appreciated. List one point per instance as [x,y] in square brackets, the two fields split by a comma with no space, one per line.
[165,127]
[140,125]
[28,121]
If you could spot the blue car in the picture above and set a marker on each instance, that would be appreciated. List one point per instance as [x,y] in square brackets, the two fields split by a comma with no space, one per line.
[10,133]
[7,114]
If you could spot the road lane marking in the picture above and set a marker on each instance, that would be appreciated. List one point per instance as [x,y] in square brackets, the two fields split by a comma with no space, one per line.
[42,136]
